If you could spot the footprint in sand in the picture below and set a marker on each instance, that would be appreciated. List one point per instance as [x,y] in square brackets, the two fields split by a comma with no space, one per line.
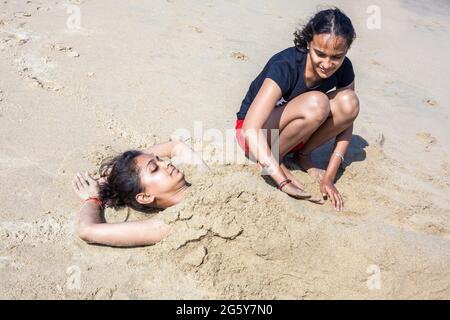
[427,139]
[73,54]
[63,48]
[196,29]
[59,47]
[103,293]
[22,14]
[37,69]
[375,63]
[430,102]
[239,56]
[380,140]
[446,166]
[45,84]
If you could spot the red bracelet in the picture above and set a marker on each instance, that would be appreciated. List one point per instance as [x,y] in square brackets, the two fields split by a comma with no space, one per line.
[96,199]
[283,184]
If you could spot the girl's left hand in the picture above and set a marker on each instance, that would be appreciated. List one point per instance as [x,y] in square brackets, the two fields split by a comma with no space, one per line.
[328,189]
[183,154]
[85,186]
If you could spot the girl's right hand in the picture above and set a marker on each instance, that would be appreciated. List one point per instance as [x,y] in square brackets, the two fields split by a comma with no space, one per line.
[295,192]
[328,190]
[85,186]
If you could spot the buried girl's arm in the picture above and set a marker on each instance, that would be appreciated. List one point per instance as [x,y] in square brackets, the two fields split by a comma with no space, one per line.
[179,152]
[91,225]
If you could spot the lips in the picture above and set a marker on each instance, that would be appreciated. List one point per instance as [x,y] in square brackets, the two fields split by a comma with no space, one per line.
[173,170]
[325,71]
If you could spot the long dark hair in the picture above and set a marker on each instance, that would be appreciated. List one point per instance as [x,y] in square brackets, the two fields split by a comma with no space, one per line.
[122,182]
[330,21]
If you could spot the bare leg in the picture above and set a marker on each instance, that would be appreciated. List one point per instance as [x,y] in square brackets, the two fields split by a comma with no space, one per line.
[344,106]
[296,122]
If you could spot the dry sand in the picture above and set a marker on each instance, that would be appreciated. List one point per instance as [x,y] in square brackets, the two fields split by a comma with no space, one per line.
[137,71]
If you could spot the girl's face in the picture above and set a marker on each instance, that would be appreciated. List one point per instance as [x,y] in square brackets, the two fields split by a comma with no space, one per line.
[327,53]
[159,178]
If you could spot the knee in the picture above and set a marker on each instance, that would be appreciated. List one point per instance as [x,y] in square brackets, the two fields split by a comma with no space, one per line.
[318,106]
[349,104]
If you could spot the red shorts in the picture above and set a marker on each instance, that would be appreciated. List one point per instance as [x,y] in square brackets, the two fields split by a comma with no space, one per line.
[241,140]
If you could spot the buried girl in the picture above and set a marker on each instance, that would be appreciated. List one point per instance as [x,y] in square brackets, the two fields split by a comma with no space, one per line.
[307,93]
[141,180]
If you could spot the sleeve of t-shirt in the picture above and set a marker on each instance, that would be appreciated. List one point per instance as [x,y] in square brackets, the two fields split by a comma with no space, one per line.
[346,74]
[281,73]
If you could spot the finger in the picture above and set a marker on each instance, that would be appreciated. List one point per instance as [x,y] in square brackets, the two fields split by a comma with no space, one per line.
[80,180]
[332,199]
[86,178]
[342,202]
[76,179]
[338,201]
[90,177]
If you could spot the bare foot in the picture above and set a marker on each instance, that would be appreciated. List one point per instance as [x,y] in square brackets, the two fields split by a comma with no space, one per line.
[316,200]
[291,177]
[304,161]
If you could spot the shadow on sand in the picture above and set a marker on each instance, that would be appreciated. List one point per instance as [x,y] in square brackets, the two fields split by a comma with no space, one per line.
[355,153]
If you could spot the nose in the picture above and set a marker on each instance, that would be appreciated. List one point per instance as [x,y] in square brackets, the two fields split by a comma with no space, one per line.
[164,163]
[167,164]
[327,64]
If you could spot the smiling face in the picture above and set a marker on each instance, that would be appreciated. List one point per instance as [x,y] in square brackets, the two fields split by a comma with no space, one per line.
[327,53]
[159,179]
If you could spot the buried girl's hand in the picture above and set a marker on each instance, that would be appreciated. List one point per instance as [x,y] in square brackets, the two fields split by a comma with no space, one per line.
[328,190]
[183,154]
[85,186]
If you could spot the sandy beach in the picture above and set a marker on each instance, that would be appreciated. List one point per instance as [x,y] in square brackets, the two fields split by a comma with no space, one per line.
[83,80]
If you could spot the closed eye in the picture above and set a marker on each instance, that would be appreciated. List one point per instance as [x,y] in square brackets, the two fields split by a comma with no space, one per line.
[323,55]
[152,165]
[320,54]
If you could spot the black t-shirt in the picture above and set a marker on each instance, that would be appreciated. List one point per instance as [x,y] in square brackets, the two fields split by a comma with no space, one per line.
[287,69]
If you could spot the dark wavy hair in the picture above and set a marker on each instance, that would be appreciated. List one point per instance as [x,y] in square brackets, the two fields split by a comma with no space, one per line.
[330,21]
[122,182]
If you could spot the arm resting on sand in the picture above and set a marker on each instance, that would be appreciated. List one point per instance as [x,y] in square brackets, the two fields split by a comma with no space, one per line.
[179,152]
[92,228]
[91,225]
